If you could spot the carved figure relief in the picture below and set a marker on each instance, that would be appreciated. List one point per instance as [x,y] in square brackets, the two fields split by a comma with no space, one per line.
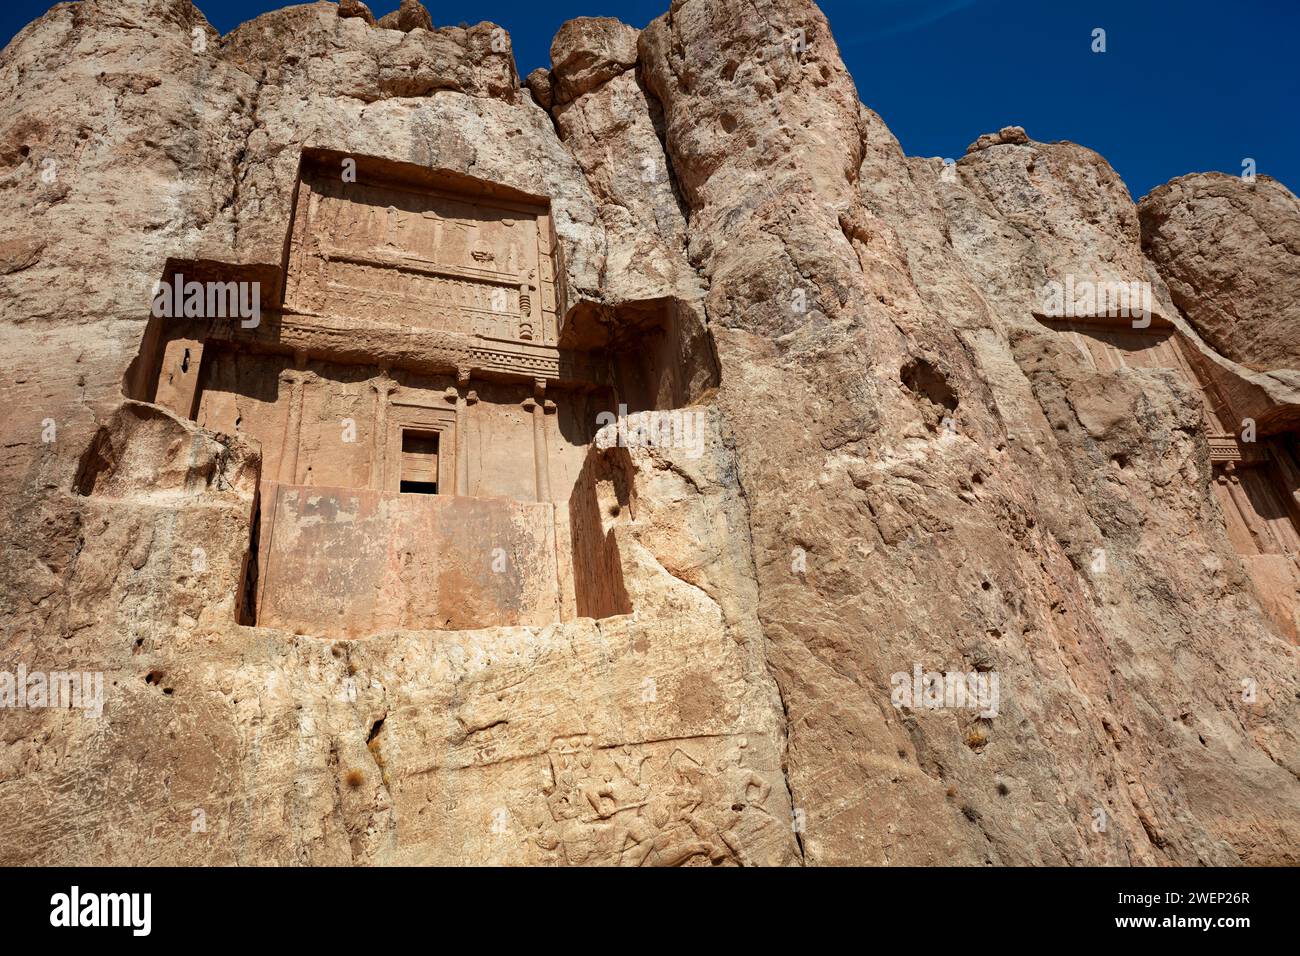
[424,258]
[624,806]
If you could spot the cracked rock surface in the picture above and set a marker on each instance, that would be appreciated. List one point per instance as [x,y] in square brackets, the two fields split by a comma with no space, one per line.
[904,466]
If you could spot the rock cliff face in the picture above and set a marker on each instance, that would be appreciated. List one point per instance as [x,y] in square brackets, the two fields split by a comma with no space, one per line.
[1230,251]
[923,449]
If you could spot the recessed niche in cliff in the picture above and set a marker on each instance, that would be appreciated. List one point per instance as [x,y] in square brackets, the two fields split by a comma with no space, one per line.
[928,384]
[1116,344]
[660,352]
[426,415]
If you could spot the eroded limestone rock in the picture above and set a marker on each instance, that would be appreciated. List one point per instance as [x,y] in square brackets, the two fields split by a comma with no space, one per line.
[589,51]
[355,8]
[903,464]
[410,15]
[1230,251]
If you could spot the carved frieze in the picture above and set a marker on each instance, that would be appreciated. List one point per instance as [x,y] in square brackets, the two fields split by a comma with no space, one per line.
[428,258]
[635,806]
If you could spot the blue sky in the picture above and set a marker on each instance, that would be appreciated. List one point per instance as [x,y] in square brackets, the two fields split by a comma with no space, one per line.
[1184,85]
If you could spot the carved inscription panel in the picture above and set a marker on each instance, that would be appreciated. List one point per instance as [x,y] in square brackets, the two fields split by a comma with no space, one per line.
[428,258]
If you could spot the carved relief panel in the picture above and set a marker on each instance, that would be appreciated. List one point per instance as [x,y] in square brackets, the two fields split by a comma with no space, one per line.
[431,258]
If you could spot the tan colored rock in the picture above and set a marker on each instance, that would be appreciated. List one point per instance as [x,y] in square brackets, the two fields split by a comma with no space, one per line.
[539,82]
[1230,252]
[1007,135]
[664,750]
[411,15]
[874,520]
[899,462]
[355,8]
[19,254]
[1121,482]
[589,51]
[609,125]
[310,45]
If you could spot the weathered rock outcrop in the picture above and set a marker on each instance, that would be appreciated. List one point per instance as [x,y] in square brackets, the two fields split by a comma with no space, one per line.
[916,289]
[1230,251]
[908,464]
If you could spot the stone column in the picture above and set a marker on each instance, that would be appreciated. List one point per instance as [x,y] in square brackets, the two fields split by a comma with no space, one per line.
[527,324]
[541,458]
[383,388]
[178,383]
[467,398]
[296,380]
